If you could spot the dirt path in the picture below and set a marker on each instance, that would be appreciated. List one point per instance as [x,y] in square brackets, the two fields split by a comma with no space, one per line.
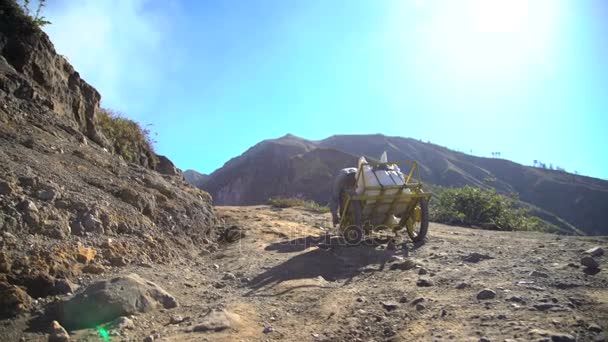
[281,282]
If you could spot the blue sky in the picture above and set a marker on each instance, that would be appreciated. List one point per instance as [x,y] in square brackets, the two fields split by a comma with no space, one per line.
[528,78]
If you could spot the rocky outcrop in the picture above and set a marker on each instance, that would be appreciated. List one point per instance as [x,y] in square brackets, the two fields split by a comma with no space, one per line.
[68,205]
[31,70]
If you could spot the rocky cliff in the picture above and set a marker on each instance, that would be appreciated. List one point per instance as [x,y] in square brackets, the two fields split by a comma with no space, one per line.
[68,205]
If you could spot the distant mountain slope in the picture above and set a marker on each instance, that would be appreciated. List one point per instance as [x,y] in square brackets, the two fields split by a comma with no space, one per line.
[195,178]
[294,166]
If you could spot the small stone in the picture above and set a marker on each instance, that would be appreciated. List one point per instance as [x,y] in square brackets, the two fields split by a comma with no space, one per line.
[422,271]
[229,276]
[594,328]
[461,286]
[27,206]
[268,329]
[417,300]
[423,282]
[93,269]
[122,322]
[390,306]
[47,194]
[537,274]
[589,262]
[420,307]
[486,294]
[64,286]
[560,337]
[403,299]
[546,306]
[476,257]
[395,258]
[26,181]
[403,266]
[85,254]
[92,224]
[6,188]
[176,319]
[484,339]
[213,321]
[595,251]
[516,299]
[58,333]
[360,299]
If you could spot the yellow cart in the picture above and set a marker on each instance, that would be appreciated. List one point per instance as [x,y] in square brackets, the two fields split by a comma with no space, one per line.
[373,208]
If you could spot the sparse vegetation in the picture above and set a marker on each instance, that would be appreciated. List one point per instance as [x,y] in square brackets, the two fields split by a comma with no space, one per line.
[35,17]
[471,206]
[128,138]
[289,202]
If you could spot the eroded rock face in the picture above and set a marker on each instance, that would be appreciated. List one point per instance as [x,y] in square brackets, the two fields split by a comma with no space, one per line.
[106,300]
[62,190]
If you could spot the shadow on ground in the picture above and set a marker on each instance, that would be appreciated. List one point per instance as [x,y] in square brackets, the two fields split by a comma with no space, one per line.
[334,260]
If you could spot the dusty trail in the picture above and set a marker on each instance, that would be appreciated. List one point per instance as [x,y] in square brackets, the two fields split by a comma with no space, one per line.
[281,282]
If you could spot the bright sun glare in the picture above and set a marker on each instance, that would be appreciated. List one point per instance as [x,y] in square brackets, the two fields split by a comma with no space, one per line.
[482,38]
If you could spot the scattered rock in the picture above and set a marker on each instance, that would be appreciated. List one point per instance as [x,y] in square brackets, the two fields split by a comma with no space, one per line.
[107,299]
[516,299]
[94,269]
[176,319]
[27,206]
[484,339]
[214,321]
[5,262]
[561,337]
[424,282]
[408,264]
[64,286]
[85,254]
[417,300]
[229,276]
[403,299]
[57,333]
[595,251]
[233,234]
[47,194]
[268,329]
[390,306]
[13,300]
[422,271]
[486,294]
[122,322]
[26,181]
[92,224]
[420,307]
[6,188]
[594,328]
[461,286]
[546,306]
[537,274]
[589,262]
[476,257]
[395,258]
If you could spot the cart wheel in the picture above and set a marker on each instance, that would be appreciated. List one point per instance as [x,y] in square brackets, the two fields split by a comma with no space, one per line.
[418,225]
[353,234]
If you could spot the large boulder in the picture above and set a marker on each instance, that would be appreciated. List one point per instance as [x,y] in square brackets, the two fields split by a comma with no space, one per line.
[106,300]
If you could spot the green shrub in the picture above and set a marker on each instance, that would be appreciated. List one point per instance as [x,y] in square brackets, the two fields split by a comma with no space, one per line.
[127,137]
[471,206]
[290,202]
[36,17]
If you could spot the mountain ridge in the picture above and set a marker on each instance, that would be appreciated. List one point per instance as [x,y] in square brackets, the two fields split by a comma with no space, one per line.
[288,162]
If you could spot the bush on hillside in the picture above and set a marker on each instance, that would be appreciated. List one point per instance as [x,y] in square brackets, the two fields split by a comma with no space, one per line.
[289,202]
[471,206]
[127,137]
